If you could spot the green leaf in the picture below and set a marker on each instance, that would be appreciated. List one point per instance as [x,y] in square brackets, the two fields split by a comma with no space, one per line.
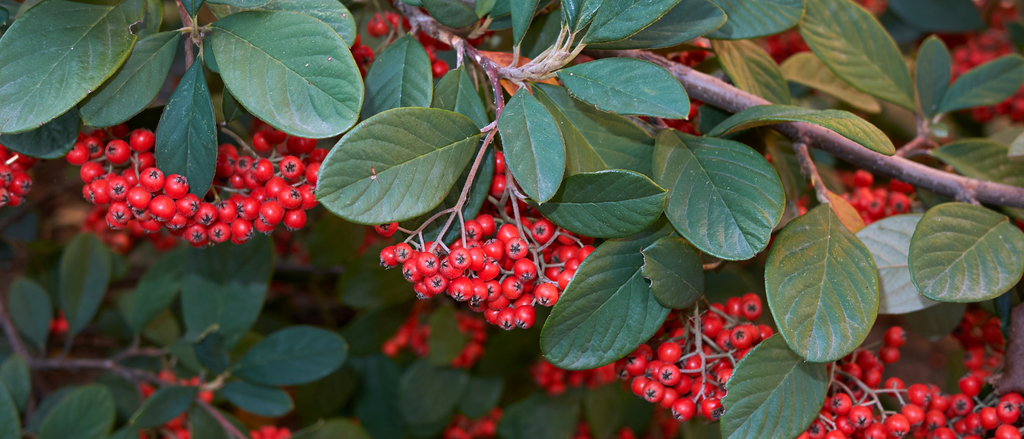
[290,70]
[853,44]
[377,405]
[932,72]
[429,393]
[365,286]
[604,409]
[84,276]
[192,6]
[752,70]
[456,92]
[607,309]
[186,138]
[889,243]
[258,400]
[332,12]
[723,196]
[578,13]
[204,425]
[400,77]
[478,193]
[85,413]
[152,18]
[534,149]
[396,165]
[936,322]
[445,339]
[580,155]
[135,85]
[483,7]
[605,204]
[240,3]
[10,422]
[58,53]
[293,355]
[522,15]
[157,289]
[30,308]
[46,406]
[15,378]
[987,84]
[757,18]
[773,393]
[675,271]
[627,86]
[231,108]
[540,417]
[822,286]
[335,428]
[127,432]
[323,398]
[126,394]
[452,13]
[806,69]
[165,404]
[985,160]
[225,285]
[616,20]
[481,395]
[965,253]
[51,141]
[844,123]
[689,19]
[954,16]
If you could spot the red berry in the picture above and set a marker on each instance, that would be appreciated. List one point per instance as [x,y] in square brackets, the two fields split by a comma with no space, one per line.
[90,171]
[151,179]
[1007,432]
[897,425]
[439,68]
[841,404]
[188,205]
[175,186]
[271,213]
[299,146]
[162,208]
[889,354]
[262,170]
[291,167]
[139,198]
[711,409]
[895,337]
[376,27]
[862,178]
[506,319]
[294,219]
[669,352]
[20,184]
[142,140]
[516,248]
[525,316]
[241,231]
[970,385]
[78,155]
[684,409]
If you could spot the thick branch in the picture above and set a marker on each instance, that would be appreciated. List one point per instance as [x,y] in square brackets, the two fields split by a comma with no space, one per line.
[1012,377]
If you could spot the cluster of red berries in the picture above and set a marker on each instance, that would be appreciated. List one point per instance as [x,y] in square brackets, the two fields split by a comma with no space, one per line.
[556,381]
[981,335]
[363,55]
[874,203]
[415,333]
[176,427]
[462,427]
[15,182]
[379,26]
[696,56]
[270,432]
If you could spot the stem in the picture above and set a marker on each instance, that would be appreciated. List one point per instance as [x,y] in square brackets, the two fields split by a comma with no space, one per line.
[9,330]
[186,20]
[224,423]
[465,190]
[811,171]
[919,142]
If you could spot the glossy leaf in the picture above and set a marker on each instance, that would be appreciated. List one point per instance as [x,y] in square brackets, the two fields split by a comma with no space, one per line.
[481,395]
[445,340]
[478,193]
[428,393]
[85,413]
[605,204]
[773,393]
[889,242]
[806,69]
[51,141]
[723,196]
[451,13]
[186,138]
[822,286]
[293,355]
[540,416]
[579,13]
[932,72]
[10,422]
[757,18]
[675,271]
[399,77]
[156,290]
[258,400]
[533,146]
[607,309]
[936,322]
[377,405]
[985,160]
[456,92]
[952,16]
[230,107]
[165,404]
[396,165]
[627,86]
[689,19]
[30,308]
[580,155]
[290,70]
[84,276]
[965,253]
[334,13]
[522,15]
[240,3]
[93,40]
[620,19]
[752,69]
[852,43]
[135,85]
[192,6]
[15,378]
[844,123]
[987,84]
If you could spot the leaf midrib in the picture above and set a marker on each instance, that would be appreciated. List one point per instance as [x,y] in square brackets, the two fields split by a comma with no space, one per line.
[962,254]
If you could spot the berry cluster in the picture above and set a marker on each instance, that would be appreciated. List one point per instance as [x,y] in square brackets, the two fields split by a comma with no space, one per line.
[270,432]
[15,182]
[387,25]
[981,335]
[874,203]
[465,428]
[176,427]
[556,381]
[696,56]
[415,333]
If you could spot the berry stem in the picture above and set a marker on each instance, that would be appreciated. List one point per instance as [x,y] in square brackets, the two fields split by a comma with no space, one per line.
[810,171]
[463,195]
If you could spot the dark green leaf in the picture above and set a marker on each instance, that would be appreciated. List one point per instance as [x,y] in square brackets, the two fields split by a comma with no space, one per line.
[607,309]
[84,276]
[445,340]
[541,36]
[757,18]
[30,308]
[483,7]
[209,350]
[616,20]
[289,69]
[240,3]
[323,398]
[456,92]
[522,15]
[400,77]
[604,409]
[723,196]
[50,141]
[224,285]
[773,393]
[334,429]
[429,393]
[152,18]
[127,432]
[534,149]
[478,193]
[481,395]
[329,241]
[936,322]
[126,394]
[889,243]
[46,406]
[540,417]
[843,123]
[987,84]
[10,422]
[851,42]
[15,378]
[689,19]
[332,12]
[258,400]
[92,40]
[186,139]
[396,165]
[675,271]
[965,253]
[932,71]
[938,15]
[627,86]
[752,70]
[294,355]
[135,85]
[192,6]
[452,13]
[580,155]
[806,69]
[605,204]
[377,406]
[230,107]
[203,425]
[578,13]
[165,404]
[85,413]
[157,289]
[985,160]
[365,286]
[822,286]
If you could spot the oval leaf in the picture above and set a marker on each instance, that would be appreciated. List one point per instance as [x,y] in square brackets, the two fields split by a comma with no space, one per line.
[294,355]
[481,395]
[965,253]
[534,149]
[84,276]
[723,196]
[753,70]
[186,138]
[987,84]
[396,165]
[540,416]
[522,15]
[135,85]
[773,393]
[332,429]
[258,400]
[675,271]
[456,92]
[290,70]
[85,413]
[51,141]
[580,155]
[399,77]
[985,160]
[689,19]
[954,16]
[606,204]
[757,18]
[455,13]
[616,20]
[806,69]
[627,86]
[332,12]
[30,308]
[932,71]
[889,242]
[165,404]
[843,123]
[157,289]
[429,393]
[10,422]
[445,339]
[15,379]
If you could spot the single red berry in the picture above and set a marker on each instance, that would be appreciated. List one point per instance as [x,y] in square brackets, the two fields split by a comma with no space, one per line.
[151,179]
[499,163]
[162,208]
[427,264]
[376,27]
[511,288]
[895,337]
[546,294]
[861,416]
[90,171]
[175,186]
[970,385]
[21,184]
[291,167]
[241,231]
[1007,431]
[290,198]
[188,205]
[95,147]
[669,352]
[294,219]
[118,152]
[897,425]
[387,257]
[841,404]
[506,319]
[525,316]
[684,409]
[516,248]
[525,270]
[142,140]
[439,68]
[711,409]
[312,173]
[862,178]
[262,170]
[271,213]
[888,354]
[460,259]
[78,155]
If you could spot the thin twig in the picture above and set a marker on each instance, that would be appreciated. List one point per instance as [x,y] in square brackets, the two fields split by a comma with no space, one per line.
[186,20]
[918,143]
[810,171]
